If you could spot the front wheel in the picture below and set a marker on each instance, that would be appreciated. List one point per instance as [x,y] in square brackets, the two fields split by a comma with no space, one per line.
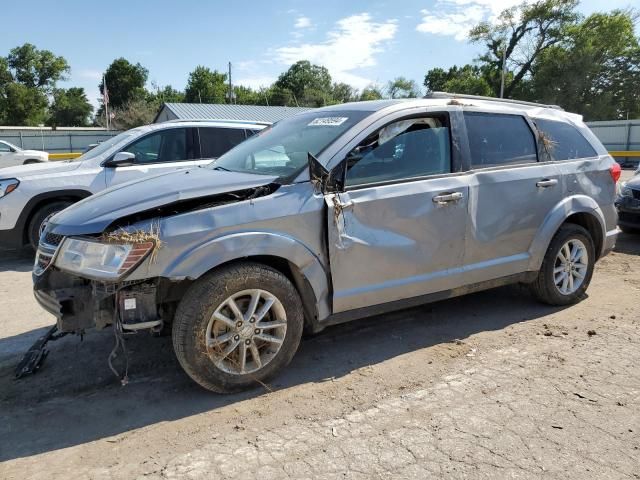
[237,327]
[567,267]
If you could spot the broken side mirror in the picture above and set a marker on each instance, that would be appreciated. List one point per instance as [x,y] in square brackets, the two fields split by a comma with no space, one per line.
[324,180]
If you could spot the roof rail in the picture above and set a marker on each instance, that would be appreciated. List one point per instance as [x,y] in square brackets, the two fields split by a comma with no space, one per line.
[225,120]
[490,99]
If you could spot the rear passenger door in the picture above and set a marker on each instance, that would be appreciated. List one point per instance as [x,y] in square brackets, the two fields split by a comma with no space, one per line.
[216,141]
[512,188]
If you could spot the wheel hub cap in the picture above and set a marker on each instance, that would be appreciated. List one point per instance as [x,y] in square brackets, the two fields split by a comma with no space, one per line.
[246,331]
[571,266]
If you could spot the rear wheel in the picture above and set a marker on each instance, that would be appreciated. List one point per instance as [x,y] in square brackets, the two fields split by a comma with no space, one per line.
[237,327]
[40,219]
[567,267]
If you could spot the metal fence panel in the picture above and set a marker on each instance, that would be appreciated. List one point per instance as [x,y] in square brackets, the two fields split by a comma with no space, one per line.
[55,141]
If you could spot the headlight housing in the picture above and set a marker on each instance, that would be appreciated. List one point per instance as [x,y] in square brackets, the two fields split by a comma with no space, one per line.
[8,185]
[101,261]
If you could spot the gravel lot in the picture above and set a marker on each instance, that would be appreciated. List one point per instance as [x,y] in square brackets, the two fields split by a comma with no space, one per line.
[491,385]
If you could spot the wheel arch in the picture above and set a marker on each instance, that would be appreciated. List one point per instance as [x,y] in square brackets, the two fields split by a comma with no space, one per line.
[38,201]
[283,253]
[580,210]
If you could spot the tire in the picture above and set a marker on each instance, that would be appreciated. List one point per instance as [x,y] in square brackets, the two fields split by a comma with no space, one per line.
[31,161]
[42,215]
[544,288]
[194,323]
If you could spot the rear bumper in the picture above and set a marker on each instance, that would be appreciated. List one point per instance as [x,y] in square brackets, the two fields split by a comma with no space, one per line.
[609,241]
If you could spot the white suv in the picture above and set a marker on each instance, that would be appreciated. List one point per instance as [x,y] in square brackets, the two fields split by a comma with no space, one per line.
[31,194]
[10,155]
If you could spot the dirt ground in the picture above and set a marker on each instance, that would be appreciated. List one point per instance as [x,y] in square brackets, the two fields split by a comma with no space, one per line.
[492,385]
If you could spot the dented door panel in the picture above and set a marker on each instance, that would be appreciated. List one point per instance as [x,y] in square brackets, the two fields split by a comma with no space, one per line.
[393,242]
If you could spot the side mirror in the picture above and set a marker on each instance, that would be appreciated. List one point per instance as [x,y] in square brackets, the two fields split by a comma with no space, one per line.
[121,159]
[324,180]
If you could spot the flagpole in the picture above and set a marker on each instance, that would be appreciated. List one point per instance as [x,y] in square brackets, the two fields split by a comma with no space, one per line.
[105,99]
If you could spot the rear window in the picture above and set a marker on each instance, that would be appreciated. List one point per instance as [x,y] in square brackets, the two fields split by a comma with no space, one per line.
[496,139]
[215,142]
[565,141]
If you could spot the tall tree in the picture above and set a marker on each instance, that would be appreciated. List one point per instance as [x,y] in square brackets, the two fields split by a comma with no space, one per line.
[595,71]
[70,108]
[35,68]
[125,82]
[23,105]
[372,92]
[468,79]
[521,35]
[343,93]
[401,87]
[206,86]
[306,84]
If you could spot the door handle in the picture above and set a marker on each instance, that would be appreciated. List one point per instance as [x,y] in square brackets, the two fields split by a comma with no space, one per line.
[445,198]
[547,182]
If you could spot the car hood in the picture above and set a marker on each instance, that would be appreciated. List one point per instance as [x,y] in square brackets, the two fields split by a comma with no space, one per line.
[94,214]
[23,172]
[634,181]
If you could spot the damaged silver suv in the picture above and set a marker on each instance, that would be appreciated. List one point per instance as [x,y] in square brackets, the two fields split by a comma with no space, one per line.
[332,215]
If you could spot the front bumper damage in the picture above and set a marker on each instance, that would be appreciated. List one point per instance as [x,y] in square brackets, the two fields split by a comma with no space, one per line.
[80,304]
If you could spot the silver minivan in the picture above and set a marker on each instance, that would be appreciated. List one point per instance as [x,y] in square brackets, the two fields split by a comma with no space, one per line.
[332,215]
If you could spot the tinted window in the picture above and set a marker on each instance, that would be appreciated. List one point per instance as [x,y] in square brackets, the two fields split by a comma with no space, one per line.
[499,139]
[164,146]
[215,142]
[565,142]
[409,148]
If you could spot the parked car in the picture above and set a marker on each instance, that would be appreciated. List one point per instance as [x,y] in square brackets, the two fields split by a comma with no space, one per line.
[628,205]
[10,155]
[40,191]
[332,215]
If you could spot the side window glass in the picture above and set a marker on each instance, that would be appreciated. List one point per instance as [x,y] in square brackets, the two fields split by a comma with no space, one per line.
[563,141]
[497,139]
[164,146]
[4,148]
[215,142]
[405,149]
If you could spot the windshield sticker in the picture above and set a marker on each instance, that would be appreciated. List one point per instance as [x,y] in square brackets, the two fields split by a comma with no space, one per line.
[328,121]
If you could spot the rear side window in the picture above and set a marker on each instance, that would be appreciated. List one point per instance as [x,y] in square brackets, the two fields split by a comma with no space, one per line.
[214,142]
[565,141]
[496,139]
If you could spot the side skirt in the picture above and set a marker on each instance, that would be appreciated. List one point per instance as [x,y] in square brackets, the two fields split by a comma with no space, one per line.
[373,310]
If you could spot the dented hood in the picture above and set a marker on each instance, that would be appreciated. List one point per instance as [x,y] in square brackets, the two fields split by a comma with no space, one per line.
[94,214]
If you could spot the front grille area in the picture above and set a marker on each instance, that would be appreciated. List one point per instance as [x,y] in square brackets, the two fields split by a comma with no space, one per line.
[52,239]
[629,217]
[636,193]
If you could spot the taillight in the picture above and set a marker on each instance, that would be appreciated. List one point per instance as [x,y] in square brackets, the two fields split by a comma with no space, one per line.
[615,172]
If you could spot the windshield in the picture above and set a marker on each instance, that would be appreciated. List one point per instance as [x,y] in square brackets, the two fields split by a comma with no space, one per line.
[104,146]
[283,148]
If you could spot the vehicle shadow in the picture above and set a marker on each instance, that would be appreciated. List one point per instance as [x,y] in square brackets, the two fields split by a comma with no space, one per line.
[628,243]
[76,399]
[16,260]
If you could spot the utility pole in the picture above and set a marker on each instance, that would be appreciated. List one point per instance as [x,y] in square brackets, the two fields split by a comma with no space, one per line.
[230,87]
[504,64]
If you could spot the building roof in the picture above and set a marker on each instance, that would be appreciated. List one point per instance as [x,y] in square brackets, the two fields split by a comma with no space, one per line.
[230,112]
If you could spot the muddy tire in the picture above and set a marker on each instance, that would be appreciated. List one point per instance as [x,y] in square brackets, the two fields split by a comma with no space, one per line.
[237,327]
[567,267]
[41,216]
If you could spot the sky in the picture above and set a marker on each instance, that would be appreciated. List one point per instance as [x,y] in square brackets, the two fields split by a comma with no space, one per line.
[360,42]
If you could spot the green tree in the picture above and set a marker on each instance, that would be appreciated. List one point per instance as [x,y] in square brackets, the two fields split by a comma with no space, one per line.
[125,82]
[521,35]
[371,92]
[468,79]
[248,96]
[303,84]
[34,68]
[401,87]
[206,86]
[23,105]
[343,93]
[595,71]
[70,108]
